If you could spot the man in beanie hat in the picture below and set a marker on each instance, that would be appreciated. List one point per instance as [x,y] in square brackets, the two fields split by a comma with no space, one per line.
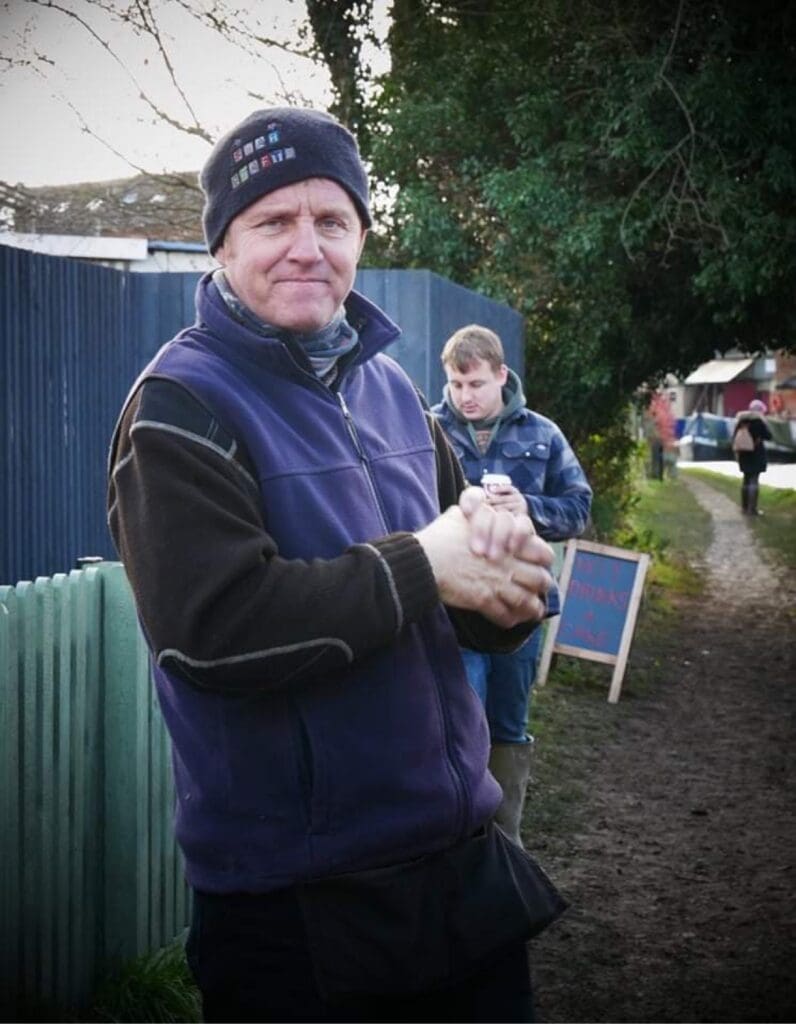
[275,495]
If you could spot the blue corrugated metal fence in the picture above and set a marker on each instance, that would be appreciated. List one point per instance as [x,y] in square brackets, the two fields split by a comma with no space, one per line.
[74,336]
[72,339]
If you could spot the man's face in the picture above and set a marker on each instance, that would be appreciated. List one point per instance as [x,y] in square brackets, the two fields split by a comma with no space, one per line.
[477,391]
[292,255]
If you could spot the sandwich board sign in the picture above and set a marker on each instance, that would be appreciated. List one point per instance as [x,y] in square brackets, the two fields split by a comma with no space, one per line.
[601,590]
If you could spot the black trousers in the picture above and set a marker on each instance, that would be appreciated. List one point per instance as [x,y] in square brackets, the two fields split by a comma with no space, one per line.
[250,958]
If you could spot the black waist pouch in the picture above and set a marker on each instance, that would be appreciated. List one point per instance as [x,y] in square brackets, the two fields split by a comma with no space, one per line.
[424,924]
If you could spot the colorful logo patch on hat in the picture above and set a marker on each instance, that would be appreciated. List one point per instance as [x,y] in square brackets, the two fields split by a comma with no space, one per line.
[254,167]
[235,180]
[265,160]
[259,142]
[277,155]
[273,137]
[237,155]
[243,174]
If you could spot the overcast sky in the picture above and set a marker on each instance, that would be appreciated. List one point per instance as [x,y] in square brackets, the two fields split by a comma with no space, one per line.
[43,139]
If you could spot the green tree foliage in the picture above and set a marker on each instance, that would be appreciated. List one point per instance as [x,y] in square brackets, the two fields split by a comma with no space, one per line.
[338,29]
[622,174]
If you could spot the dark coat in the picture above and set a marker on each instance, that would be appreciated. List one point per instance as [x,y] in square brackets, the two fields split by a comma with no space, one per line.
[755,461]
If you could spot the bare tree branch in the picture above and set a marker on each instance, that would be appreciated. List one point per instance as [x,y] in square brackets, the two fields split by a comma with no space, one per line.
[188,129]
[640,188]
[683,194]
[85,127]
[675,33]
[228,24]
[150,22]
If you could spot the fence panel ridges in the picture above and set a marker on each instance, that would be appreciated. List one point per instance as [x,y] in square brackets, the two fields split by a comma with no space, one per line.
[87,779]
[29,704]
[49,636]
[46,783]
[140,845]
[10,801]
[157,853]
[64,775]
[148,864]
[89,870]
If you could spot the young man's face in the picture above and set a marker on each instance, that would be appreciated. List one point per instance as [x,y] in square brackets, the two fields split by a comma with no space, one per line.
[477,392]
[292,255]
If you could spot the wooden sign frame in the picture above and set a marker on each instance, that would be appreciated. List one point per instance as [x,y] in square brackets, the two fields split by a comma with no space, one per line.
[618,660]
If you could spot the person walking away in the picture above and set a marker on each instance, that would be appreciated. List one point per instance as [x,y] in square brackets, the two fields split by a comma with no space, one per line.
[304,555]
[485,417]
[748,443]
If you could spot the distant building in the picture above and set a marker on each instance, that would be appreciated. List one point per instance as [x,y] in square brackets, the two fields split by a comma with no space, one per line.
[135,254]
[726,385]
[143,223]
[144,206]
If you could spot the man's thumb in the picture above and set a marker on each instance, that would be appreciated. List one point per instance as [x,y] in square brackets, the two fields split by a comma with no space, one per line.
[470,500]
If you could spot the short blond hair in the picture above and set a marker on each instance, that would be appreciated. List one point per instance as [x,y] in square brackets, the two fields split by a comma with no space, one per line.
[471,343]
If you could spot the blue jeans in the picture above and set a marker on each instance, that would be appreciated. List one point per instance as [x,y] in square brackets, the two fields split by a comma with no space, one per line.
[503,683]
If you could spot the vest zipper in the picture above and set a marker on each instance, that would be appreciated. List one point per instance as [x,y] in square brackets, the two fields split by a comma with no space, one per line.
[352,431]
[459,784]
[464,801]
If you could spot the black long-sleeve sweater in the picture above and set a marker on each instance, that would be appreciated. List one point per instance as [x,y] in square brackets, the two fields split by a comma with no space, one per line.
[217,601]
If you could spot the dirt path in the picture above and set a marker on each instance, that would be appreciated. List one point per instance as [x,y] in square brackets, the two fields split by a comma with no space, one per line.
[682,873]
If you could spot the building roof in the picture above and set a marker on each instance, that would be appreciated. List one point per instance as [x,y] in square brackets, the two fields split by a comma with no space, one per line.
[144,206]
[719,371]
[79,246]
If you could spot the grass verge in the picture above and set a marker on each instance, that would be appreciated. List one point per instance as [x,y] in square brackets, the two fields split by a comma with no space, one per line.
[668,523]
[776,528]
[158,987]
[568,714]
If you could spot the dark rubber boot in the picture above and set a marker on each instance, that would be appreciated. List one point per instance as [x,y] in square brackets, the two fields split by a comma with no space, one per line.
[510,763]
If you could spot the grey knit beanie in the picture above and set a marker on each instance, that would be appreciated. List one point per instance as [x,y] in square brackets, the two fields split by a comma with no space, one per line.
[273,148]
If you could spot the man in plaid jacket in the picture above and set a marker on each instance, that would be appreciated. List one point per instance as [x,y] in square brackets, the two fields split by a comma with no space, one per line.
[484,415]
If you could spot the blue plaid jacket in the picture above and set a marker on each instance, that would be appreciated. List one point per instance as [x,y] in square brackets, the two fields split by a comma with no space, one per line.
[533,451]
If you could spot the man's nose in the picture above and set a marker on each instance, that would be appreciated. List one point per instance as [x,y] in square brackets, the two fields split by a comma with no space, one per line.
[304,244]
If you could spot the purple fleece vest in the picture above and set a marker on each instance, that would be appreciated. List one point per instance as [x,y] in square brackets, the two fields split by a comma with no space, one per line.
[384,761]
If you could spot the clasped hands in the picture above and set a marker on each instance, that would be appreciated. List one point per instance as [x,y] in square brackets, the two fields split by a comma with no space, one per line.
[488,559]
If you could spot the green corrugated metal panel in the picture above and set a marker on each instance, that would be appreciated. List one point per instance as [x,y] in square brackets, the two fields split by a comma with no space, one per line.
[89,872]
[146,900]
[50,848]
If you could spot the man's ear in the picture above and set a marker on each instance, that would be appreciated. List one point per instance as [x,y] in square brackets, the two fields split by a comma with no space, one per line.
[503,374]
[361,243]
